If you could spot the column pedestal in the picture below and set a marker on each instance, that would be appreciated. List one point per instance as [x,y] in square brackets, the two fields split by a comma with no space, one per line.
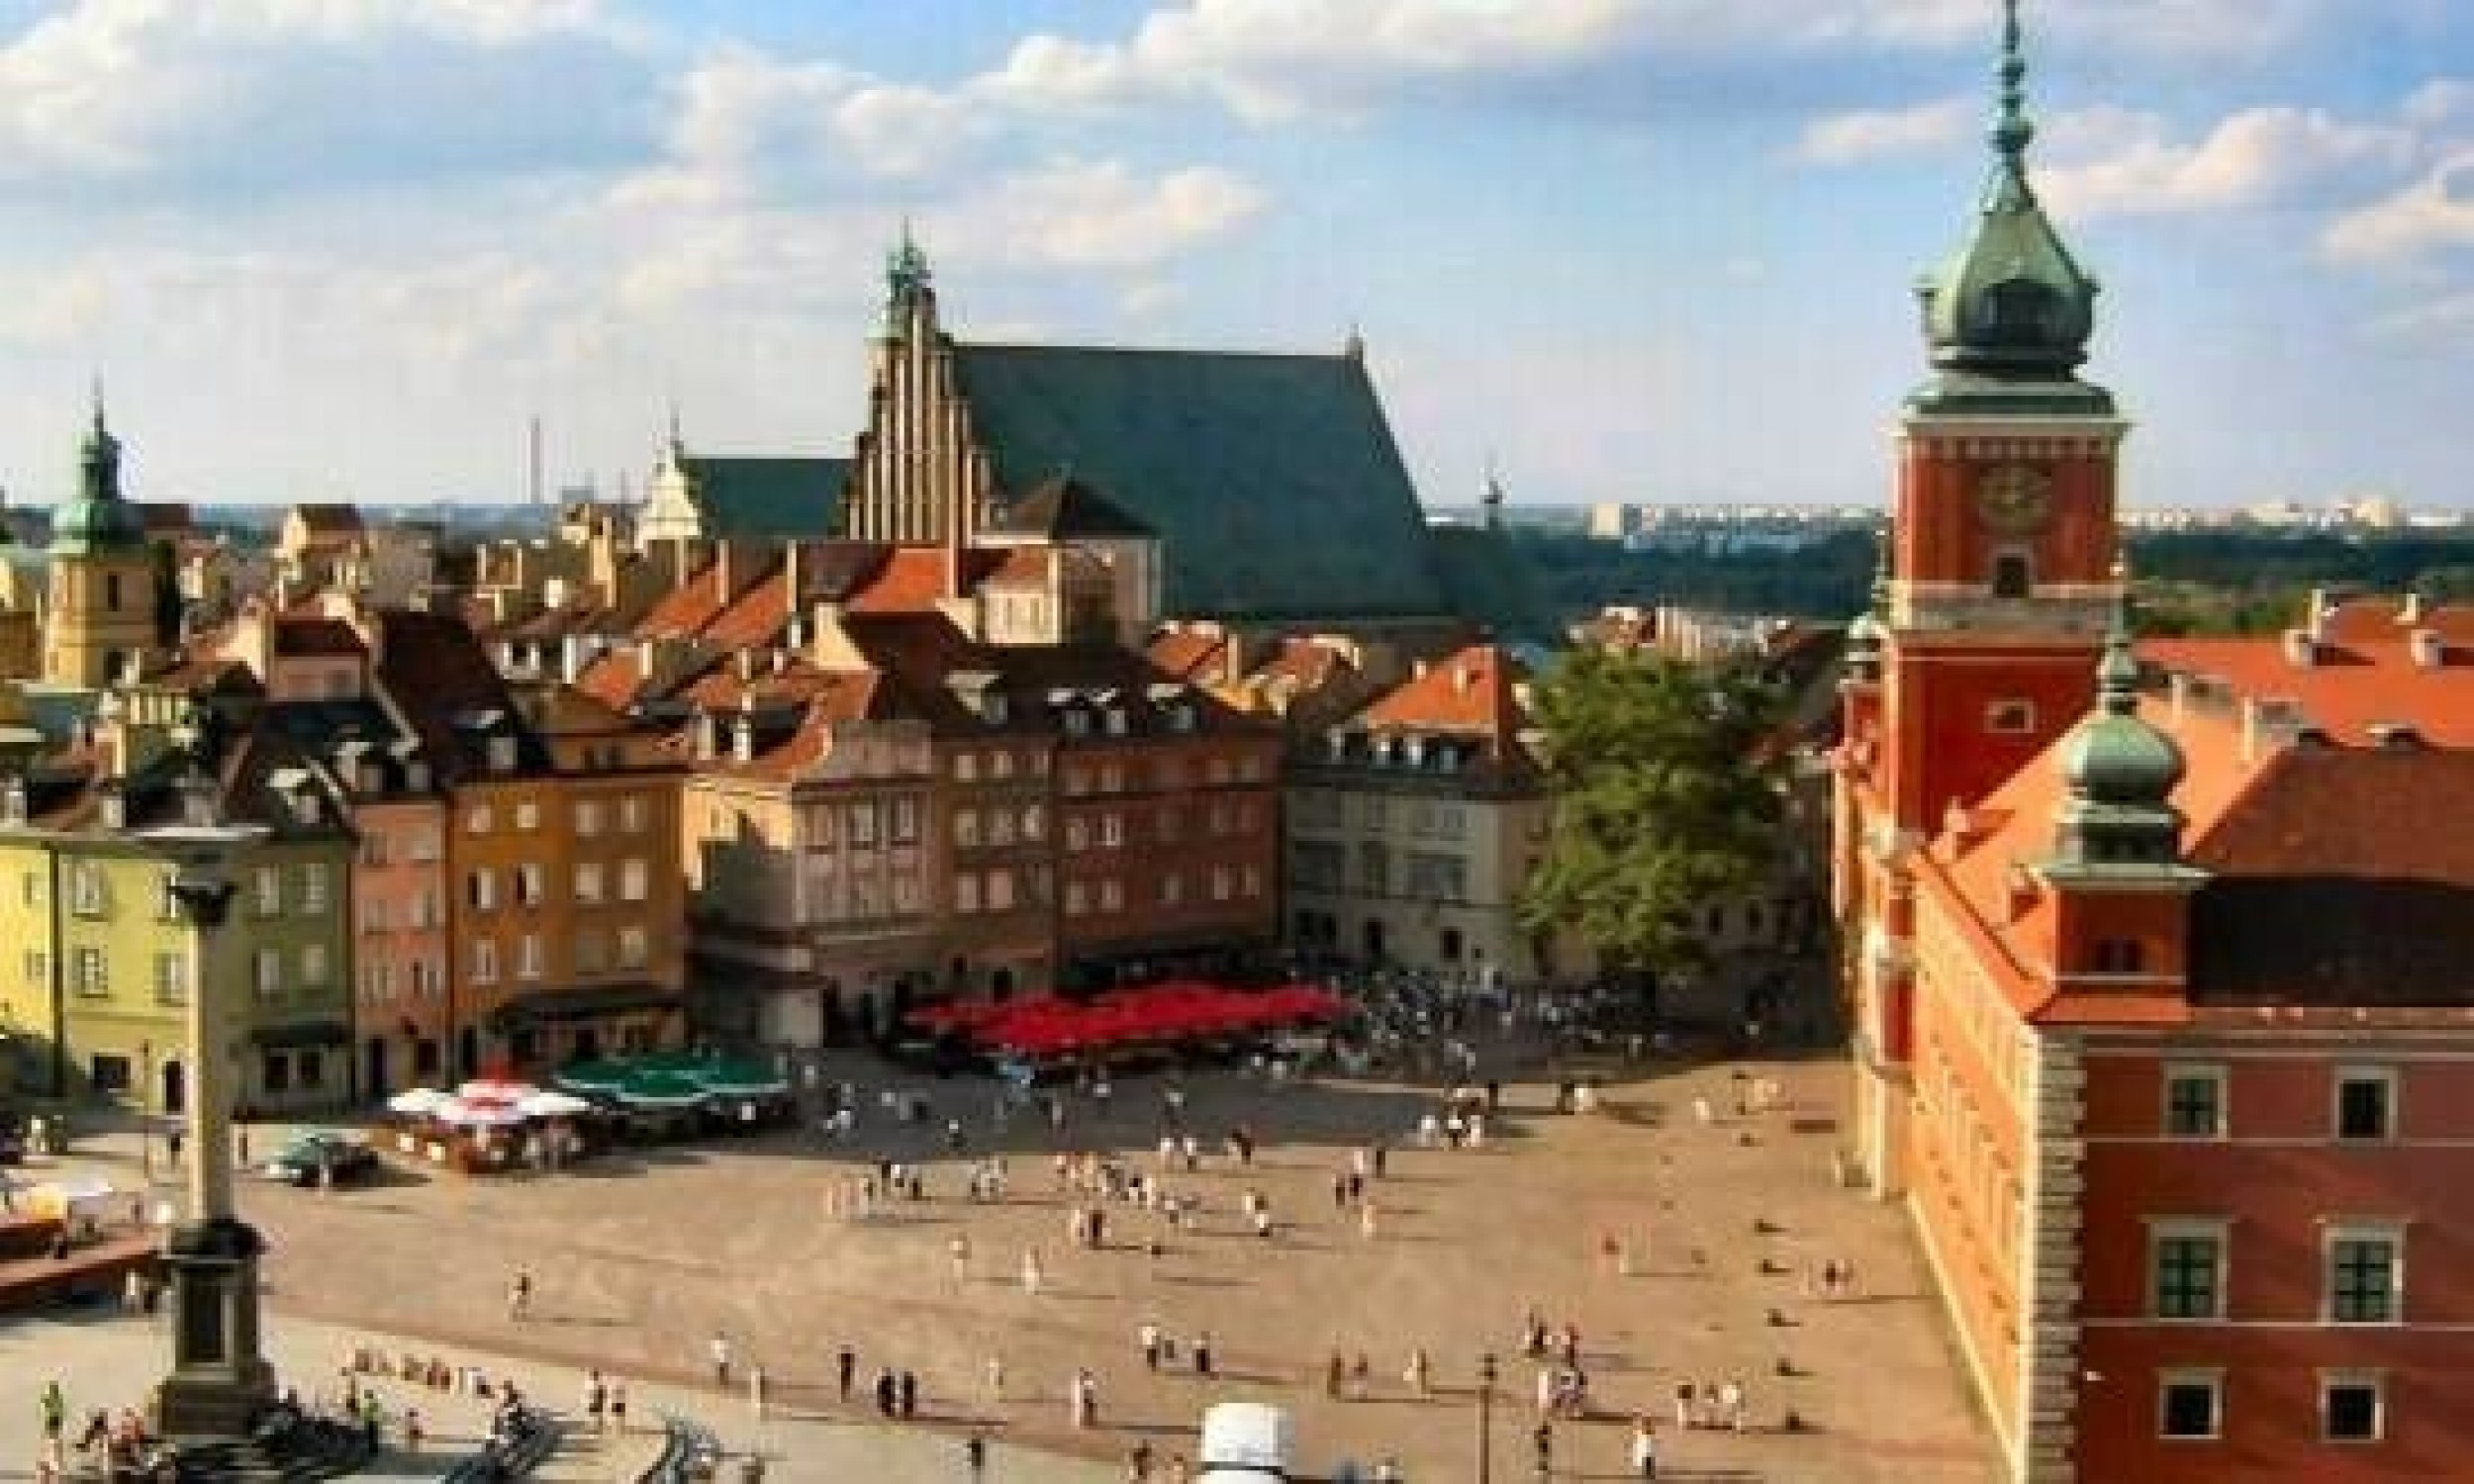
[218,1382]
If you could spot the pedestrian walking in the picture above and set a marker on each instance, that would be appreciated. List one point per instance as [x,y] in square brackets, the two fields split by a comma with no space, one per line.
[906,1393]
[618,1407]
[520,1295]
[1032,1275]
[1644,1447]
[958,1252]
[720,1350]
[756,1392]
[1148,1338]
[846,1370]
[1419,1373]
[1202,1352]
[1335,1375]
[596,1400]
[887,1393]
[975,1455]
[994,1373]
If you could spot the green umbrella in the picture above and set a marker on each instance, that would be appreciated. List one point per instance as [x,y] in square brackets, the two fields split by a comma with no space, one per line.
[660,1089]
[739,1079]
[602,1077]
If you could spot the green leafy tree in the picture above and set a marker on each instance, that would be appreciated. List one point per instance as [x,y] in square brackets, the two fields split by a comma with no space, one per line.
[1667,798]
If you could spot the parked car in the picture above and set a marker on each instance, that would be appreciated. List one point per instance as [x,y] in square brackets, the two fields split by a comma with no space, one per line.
[317,1153]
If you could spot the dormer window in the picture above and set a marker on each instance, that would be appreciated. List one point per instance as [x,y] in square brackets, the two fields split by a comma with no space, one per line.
[417,777]
[1182,717]
[13,802]
[743,740]
[1116,721]
[305,806]
[994,709]
[501,754]
[707,737]
[1078,723]
[115,810]
[1415,750]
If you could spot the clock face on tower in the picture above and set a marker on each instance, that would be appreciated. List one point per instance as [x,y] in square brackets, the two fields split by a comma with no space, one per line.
[2014,498]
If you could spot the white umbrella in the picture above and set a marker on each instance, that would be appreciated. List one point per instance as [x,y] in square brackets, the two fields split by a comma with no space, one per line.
[419,1102]
[462,1114]
[493,1090]
[551,1105]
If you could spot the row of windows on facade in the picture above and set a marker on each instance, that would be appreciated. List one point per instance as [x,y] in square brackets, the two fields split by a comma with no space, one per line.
[90,890]
[425,980]
[862,824]
[90,972]
[2190,1406]
[1168,775]
[1322,809]
[2362,1102]
[529,885]
[2363,1270]
[1224,884]
[1108,831]
[1322,865]
[590,817]
[112,1073]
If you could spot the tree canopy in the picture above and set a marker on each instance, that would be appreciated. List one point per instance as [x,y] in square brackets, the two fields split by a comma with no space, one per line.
[1667,798]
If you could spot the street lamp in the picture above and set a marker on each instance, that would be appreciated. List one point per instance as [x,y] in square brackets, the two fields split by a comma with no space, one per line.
[1486,1378]
[218,1381]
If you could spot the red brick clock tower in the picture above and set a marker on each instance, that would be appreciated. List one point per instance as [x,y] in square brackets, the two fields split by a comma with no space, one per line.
[2004,537]
[2000,586]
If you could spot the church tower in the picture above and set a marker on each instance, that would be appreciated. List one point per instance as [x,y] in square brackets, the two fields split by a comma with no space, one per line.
[102,607]
[2004,538]
[918,476]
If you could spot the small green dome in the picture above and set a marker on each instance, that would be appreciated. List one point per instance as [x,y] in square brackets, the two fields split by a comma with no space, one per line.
[2115,758]
[2121,760]
[98,519]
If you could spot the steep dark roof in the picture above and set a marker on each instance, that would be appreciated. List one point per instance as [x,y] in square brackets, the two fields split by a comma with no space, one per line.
[1272,480]
[1487,580]
[2338,884]
[785,498]
[440,677]
[1061,507]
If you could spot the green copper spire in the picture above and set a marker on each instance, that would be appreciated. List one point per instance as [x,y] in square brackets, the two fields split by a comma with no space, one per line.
[2008,318]
[99,519]
[2116,758]
[908,280]
[2116,675]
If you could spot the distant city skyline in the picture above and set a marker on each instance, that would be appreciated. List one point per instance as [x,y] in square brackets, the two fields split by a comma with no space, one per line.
[1654,251]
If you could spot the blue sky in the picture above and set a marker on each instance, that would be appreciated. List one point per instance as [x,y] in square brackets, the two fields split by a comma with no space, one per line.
[1632,249]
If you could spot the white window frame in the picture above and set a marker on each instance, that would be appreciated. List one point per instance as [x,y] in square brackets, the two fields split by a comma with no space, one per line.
[313,887]
[635,879]
[484,960]
[2334,1232]
[2213,1380]
[589,884]
[2209,1071]
[2377,1382]
[314,965]
[2386,1077]
[2161,1230]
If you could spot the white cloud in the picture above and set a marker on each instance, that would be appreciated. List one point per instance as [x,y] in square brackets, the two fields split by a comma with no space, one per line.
[207,96]
[1097,214]
[1872,133]
[1271,60]
[2112,162]
[2434,214]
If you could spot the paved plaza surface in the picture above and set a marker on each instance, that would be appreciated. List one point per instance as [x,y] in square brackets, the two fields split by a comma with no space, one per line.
[640,1259]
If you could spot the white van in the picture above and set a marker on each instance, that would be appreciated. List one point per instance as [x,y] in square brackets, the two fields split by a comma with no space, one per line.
[1247,1443]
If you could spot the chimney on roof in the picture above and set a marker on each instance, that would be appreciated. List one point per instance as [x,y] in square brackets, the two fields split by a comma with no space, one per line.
[725,571]
[781,660]
[2302,645]
[2428,649]
[747,664]
[1464,678]
[2178,688]
[2396,736]
[2270,723]
[574,653]
[790,574]
[2409,611]
[2323,608]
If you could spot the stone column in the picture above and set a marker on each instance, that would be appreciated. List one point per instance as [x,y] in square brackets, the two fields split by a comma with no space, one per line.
[219,1380]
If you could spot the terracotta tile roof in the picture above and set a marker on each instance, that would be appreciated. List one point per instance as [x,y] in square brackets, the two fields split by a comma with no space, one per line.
[612,678]
[913,579]
[1188,653]
[2362,678]
[684,611]
[1307,662]
[2333,887]
[831,698]
[756,618]
[1473,691]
